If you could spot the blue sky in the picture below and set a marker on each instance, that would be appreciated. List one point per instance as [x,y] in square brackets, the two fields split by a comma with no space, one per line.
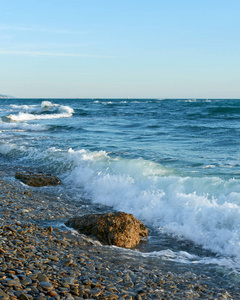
[108,48]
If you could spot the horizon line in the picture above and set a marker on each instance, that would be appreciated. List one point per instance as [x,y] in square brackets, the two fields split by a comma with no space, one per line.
[125,98]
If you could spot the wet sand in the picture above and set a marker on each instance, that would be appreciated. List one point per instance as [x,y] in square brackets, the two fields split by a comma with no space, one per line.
[40,261]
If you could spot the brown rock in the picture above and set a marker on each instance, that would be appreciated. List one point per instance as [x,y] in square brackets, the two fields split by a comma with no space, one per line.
[119,229]
[37,180]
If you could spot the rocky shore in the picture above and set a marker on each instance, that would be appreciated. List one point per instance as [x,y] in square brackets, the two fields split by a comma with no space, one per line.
[47,262]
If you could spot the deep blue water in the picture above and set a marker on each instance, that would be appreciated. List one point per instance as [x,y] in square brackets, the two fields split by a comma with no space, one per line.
[173,163]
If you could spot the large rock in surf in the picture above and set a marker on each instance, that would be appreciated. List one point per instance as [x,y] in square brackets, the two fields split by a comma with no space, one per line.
[37,180]
[118,228]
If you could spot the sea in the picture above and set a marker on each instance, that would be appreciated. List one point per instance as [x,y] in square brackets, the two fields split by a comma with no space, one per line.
[173,163]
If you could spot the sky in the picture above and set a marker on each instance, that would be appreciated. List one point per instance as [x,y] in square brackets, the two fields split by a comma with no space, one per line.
[120,48]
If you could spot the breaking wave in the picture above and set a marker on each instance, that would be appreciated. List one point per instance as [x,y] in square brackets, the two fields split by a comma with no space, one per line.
[205,210]
[47,110]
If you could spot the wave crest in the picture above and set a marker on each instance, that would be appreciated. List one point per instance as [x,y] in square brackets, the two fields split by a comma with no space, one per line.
[204,210]
[47,110]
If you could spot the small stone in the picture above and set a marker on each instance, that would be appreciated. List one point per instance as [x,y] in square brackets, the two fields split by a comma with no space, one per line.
[75,291]
[13,282]
[52,293]
[87,282]
[23,297]
[142,292]
[42,277]
[69,297]
[53,257]
[50,229]
[3,295]
[47,286]
[2,251]
[68,280]
[95,292]
[26,281]
[34,289]
[67,262]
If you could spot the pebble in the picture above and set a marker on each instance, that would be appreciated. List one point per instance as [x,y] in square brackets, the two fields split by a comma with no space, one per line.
[42,278]
[46,285]
[53,294]
[26,281]
[3,295]
[23,297]
[39,263]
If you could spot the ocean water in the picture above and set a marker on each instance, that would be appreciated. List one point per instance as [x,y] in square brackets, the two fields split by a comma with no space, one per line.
[173,163]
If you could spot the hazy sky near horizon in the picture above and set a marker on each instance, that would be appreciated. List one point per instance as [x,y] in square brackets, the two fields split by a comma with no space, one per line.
[120,48]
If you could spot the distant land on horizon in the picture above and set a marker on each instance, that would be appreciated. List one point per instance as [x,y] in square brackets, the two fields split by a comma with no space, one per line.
[5,96]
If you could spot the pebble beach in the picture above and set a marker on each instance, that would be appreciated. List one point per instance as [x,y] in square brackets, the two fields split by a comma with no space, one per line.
[50,262]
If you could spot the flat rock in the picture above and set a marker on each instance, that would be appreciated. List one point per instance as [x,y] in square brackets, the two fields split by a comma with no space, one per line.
[38,179]
[118,228]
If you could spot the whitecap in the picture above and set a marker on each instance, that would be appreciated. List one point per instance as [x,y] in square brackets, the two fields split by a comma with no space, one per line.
[5,148]
[55,111]
[204,210]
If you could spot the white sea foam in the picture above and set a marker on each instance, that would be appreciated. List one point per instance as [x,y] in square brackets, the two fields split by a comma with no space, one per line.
[6,126]
[22,107]
[179,256]
[189,100]
[48,104]
[29,117]
[205,210]
[5,148]
[54,111]
[185,257]
[209,167]
[107,102]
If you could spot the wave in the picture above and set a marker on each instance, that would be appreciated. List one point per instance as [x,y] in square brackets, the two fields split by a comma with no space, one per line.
[21,107]
[47,110]
[204,210]
[5,148]
[4,126]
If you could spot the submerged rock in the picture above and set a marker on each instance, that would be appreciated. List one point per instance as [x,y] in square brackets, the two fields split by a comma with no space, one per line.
[37,180]
[118,228]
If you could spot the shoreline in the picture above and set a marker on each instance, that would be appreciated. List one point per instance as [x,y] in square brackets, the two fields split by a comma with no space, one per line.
[44,262]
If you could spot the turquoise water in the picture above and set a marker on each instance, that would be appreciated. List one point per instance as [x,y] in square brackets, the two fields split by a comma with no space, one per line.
[191,136]
[173,163]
